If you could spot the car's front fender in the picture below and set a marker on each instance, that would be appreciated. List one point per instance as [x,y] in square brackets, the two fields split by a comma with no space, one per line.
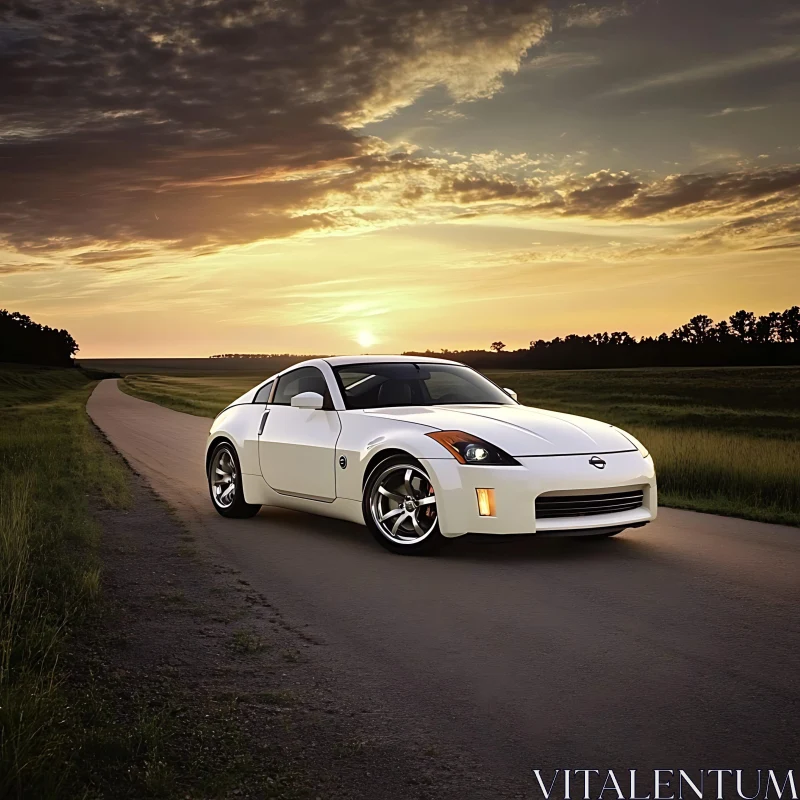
[366,440]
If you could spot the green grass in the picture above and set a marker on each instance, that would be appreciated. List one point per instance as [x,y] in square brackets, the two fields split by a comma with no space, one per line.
[247,642]
[725,473]
[203,397]
[50,463]
[192,367]
[725,440]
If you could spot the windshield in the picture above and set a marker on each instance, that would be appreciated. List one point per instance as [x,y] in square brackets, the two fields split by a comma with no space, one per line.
[408,384]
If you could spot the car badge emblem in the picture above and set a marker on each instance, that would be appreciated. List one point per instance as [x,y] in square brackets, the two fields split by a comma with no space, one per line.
[343,462]
[598,462]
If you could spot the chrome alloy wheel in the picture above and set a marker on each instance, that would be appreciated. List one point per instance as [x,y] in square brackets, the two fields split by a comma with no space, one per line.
[403,504]
[223,478]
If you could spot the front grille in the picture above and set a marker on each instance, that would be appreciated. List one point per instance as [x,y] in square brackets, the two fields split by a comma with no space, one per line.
[586,505]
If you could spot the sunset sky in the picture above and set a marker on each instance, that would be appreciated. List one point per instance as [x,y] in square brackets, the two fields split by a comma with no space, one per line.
[182,178]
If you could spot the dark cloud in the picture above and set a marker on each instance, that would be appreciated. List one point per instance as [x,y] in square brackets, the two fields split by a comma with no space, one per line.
[705,194]
[473,190]
[750,197]
[597,194]
[189,124]
[130,127]
[593,15]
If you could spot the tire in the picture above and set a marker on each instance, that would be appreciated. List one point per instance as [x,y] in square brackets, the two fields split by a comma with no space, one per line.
[224,461]
[400,526]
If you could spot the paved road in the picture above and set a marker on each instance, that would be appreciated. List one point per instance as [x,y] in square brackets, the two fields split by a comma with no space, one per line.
[673,646]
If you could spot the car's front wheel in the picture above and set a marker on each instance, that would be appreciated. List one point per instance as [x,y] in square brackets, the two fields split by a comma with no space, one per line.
[225,484]
[400,507]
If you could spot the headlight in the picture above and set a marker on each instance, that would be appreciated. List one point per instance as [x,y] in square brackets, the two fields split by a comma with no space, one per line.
[469,449]
[634,441]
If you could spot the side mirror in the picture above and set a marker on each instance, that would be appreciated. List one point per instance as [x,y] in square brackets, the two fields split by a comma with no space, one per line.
[512,394]
[310,400]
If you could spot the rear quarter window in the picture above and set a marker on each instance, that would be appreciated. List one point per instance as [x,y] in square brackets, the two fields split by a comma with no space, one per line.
[262,395]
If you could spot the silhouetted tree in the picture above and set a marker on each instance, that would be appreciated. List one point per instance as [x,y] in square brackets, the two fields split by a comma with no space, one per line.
[697,330]
[23,341]
[721,331]
[743,324]
[620,337]
[742,339]
[790,325]
[768,328]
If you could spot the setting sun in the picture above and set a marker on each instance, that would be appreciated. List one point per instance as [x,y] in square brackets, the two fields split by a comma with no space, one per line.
[366,339]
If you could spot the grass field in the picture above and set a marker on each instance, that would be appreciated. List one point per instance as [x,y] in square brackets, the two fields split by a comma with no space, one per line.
[202,396]
[50,464]
[191,367]
[725,440]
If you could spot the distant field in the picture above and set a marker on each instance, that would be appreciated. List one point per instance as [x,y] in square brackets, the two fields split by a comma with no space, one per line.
[192,366]
[725,440]
[202,396]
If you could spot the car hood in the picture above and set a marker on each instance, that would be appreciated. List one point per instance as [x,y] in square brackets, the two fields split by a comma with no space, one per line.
[519,430]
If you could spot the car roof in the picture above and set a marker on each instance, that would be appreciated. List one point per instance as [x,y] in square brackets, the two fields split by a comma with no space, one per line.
[337,361]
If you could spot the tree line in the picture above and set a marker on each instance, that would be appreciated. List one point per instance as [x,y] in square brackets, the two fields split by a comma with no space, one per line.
[743,339]
[264,355]
[23,341]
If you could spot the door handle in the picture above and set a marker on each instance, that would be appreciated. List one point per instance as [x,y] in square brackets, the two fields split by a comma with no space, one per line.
[263,422]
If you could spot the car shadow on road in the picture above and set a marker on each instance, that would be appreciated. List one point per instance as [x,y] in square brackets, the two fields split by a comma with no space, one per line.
[543,548]
[498,549]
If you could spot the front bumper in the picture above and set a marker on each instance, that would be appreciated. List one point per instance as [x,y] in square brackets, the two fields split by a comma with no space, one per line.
[516,490]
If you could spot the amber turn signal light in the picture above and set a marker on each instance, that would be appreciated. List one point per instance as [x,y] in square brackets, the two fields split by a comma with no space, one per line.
[485,502]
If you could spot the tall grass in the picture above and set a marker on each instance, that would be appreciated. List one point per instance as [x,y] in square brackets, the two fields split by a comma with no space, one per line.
[50,466]
[724,473]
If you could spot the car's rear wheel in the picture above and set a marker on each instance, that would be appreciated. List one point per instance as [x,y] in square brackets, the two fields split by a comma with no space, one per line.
[400,507]
[225,484]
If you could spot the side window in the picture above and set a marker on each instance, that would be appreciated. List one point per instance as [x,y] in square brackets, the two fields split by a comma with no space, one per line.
[305,379]
[262,395]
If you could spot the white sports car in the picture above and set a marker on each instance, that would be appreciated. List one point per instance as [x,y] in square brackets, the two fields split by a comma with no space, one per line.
[421,450]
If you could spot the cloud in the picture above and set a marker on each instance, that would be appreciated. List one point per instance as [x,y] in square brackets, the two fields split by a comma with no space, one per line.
[746,110]
[559,62]
[583,15]
[722,68]
[708,194]
[761,234]
[790,17]
[196,126]
[614,196]
[135,130]
[450,113]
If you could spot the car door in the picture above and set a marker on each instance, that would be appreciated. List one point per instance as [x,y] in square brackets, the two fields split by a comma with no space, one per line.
[297,446]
